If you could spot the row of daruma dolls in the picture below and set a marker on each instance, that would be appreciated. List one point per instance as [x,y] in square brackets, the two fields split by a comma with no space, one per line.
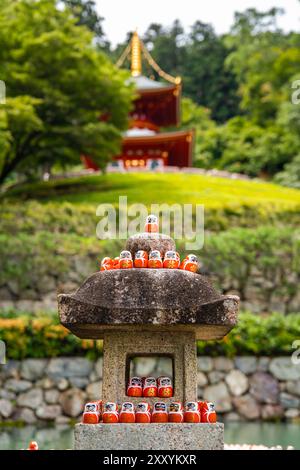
[154,260]
[150,387]
[109,413]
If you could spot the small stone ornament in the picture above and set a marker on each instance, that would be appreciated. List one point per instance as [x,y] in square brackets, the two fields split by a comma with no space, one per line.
[155,260]
[127,414]
[141,259]
[125,260]
[143,413]
[135,387]
[192,413]
[151,225]
[150,387]
[190,263]
[208,413]
[176,412]
[165,387]
[106,264]
[159,413]
[92,413]
[171,260]
[110,413]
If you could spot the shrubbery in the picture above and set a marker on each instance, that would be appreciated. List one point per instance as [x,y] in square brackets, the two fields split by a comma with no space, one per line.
[29,336]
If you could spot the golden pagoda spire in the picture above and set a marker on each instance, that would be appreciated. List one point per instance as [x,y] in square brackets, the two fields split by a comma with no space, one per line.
[136,55]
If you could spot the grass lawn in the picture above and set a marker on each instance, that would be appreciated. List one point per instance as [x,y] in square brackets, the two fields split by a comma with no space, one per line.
[147,188]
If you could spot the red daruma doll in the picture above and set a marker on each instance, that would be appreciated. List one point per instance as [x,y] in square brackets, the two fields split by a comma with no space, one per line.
[150,387]
[190,263]
[110,413]
[165,388]
[33,445]
[116,263]
[106,264]
[192,414]
[125,260]
[92,413]
[159,413]
[151,224]
[135,387]
[155,260]
[171,260]
[143,413]
[141,259]
[175,412]
[208,413]
[127,414]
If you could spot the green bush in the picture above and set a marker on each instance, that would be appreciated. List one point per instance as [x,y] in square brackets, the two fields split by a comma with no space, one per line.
[41,336]
[271,335]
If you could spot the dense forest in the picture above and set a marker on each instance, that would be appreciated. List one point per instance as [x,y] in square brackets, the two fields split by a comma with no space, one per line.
[237,88]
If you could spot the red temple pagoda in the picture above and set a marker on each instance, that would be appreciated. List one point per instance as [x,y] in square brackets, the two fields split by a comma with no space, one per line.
[157,106]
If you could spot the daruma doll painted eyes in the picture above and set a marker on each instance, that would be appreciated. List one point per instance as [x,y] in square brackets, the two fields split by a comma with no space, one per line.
[150,387]
[143,413]
[175,412]
[135,387]
[125,261]
[151,225]
[159,413]
[141,259]
[110,413]
[127,414]
[92,413]
[165,388]
[208,413]
[171,260]
[190,263]
[191,413]
[155,260]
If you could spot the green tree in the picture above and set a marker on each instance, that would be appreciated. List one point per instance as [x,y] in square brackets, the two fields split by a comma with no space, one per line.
[58,84]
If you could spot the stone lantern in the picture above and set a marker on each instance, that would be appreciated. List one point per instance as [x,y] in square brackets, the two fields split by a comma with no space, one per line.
[148,312]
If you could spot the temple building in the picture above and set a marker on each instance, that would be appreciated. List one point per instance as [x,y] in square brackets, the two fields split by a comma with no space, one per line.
[146,144]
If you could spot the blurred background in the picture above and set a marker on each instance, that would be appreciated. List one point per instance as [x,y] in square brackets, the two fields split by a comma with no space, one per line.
[162,103]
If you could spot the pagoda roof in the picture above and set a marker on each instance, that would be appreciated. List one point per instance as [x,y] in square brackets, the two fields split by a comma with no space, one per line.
[144,83]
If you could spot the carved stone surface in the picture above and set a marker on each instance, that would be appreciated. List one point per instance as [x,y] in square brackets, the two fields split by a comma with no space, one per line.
[149,297]
[150,241]
[168,436]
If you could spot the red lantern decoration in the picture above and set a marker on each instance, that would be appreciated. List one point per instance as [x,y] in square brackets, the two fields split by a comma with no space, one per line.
[175,412]
[191,413]
[151,225]
[135,387]
[141,259]
[155,260]
[159,413]
[165,387]
[110,413]
[143,413]
[125,260]
[208,413]
[150,387]
[127,414]
[171,260]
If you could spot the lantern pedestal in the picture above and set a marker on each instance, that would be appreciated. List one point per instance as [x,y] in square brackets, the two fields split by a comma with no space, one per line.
[152,436]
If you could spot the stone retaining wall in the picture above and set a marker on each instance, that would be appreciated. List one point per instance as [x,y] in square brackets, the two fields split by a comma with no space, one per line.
[246,388]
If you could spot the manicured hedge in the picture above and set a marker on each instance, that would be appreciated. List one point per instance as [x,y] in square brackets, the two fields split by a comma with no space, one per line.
[28,336]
